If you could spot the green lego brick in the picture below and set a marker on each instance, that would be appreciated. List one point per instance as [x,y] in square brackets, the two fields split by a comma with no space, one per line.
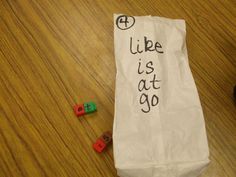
[90,107]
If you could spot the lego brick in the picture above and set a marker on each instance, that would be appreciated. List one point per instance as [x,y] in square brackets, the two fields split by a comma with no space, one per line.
[79,109]
[99,145]
[90,107]
[106,137]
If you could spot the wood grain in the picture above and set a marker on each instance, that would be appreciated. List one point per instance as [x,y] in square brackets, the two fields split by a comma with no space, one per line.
[55,53]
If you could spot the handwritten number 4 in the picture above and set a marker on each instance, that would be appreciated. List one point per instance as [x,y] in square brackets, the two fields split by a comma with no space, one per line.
[125,20]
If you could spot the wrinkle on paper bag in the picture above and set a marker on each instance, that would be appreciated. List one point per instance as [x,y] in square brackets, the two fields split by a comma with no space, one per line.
[159,129]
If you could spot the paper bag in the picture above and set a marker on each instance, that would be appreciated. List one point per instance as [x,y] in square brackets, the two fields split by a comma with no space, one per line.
[159,128]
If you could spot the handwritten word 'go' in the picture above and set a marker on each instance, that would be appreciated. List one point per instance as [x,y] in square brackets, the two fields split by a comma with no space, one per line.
[124,22]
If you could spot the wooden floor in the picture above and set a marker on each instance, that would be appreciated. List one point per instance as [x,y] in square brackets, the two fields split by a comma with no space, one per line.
[55,53]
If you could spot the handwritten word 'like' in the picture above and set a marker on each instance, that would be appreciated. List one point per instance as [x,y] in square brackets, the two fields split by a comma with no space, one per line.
[148,46]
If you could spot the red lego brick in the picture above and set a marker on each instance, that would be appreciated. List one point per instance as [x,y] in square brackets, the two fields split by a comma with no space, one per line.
[79,110]
[99,145]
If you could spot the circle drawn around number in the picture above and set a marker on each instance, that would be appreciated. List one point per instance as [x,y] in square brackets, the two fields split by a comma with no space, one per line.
[125,22]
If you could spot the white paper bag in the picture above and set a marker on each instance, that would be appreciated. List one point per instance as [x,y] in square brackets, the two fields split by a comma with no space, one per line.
[159,128]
